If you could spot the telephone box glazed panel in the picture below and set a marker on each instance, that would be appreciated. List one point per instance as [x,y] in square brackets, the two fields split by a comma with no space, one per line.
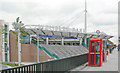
[95,52]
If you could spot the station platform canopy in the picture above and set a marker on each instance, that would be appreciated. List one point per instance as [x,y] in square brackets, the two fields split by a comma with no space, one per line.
[60,32]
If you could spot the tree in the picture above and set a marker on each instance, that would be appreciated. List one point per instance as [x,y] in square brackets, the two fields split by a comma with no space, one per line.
[19,25]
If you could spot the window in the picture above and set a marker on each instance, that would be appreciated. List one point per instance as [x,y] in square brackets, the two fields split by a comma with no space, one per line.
[25,39]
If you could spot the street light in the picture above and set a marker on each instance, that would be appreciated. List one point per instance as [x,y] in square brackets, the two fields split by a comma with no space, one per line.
[17,25]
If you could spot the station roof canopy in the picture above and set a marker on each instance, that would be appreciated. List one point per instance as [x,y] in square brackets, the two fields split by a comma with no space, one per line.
[59,32]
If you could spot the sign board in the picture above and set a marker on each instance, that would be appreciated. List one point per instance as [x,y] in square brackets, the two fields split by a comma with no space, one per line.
[98,32]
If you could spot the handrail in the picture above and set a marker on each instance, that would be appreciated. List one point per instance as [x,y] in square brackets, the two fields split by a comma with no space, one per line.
[42,48]
[52,55]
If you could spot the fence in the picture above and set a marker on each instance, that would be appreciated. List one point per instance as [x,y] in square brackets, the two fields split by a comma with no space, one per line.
[55,28]
[51,66]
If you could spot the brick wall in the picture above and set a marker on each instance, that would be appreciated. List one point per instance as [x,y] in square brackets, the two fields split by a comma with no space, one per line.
[13,47]
[28,51]
[29,54]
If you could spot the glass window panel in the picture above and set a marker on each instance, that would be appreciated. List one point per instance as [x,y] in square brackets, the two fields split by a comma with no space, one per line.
[92,59]
[92,46]
[97,59]
[5,57]
[98,46]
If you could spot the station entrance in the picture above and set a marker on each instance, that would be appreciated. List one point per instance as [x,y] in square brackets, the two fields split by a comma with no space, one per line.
[95,52]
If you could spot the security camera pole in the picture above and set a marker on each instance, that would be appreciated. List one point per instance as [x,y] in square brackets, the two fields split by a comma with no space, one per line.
[17,25]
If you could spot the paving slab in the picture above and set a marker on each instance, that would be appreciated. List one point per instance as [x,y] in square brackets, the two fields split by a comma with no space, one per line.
[110,65]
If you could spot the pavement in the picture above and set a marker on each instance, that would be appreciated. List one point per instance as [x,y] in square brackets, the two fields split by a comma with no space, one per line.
[28,63]
[110,65]
[4,67]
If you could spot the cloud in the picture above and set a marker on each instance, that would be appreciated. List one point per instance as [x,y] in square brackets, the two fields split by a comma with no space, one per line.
[102,14]
[104,19]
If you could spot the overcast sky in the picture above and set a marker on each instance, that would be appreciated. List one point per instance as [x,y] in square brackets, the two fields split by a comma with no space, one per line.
[102,14]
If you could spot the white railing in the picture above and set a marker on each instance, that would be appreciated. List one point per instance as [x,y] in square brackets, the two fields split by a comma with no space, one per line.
[54,28]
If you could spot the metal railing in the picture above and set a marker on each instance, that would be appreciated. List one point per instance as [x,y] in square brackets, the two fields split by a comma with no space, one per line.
[54,28]
[65,65]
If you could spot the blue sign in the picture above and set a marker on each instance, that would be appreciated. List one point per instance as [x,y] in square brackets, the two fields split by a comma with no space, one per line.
[57,37]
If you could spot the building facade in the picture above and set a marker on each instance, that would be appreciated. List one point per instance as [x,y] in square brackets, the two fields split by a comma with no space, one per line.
[4,41]
[28,51]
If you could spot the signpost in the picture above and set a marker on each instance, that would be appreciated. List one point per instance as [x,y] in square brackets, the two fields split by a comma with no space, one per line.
[98,32]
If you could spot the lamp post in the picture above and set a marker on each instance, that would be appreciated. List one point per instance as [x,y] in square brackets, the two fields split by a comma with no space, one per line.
[19,48]
[17,25]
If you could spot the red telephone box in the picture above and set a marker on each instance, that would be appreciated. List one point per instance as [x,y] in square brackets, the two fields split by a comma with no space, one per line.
[95,52]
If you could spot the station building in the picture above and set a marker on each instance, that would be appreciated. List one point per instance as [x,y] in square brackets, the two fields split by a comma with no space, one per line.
[53,43]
